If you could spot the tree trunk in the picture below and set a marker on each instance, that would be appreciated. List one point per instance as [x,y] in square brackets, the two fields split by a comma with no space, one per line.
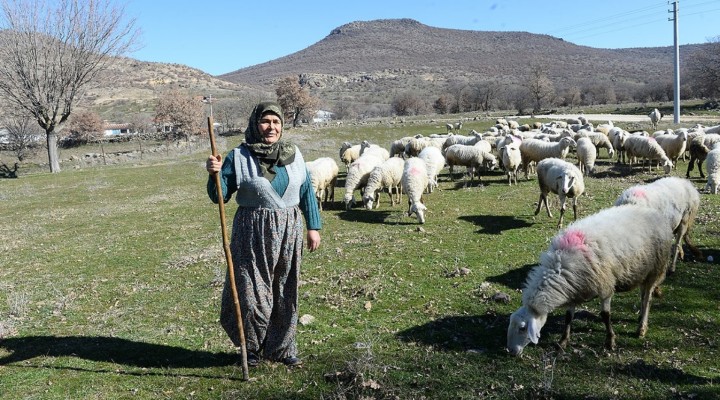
[52,148]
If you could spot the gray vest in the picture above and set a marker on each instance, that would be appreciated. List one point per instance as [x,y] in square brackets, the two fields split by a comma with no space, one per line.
[254,191]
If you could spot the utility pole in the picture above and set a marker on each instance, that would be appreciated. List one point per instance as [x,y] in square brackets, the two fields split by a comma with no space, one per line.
[676,80]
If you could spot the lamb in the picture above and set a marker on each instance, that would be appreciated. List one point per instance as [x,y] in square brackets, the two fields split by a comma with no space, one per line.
[712,166]
[673,144]
[357,176]
[349,153]
[678,201]
[414,182]
[616,249]
[655,117]
[388,176]
[647,148]
[534,150]
[562,178]
[511,160]
[435,163]
[586,154]
[469,156]
[323,176]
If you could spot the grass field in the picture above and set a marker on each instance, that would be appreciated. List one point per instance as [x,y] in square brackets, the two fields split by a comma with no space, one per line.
[111,279]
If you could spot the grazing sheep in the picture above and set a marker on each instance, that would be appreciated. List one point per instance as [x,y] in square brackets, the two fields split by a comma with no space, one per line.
[470,157]
[435,163]
[534,150]
[349,153]
[648,148]
[449,127]
[467,140]
[357,176]
[673,144]
[699,147]
[384,176]
[712,167]
[323,176]
[677,199]
[562,178]
[616,249]
[511,160]
[397,147]
[600,141]
[415,145]
[655,117]
[586,154]
[414,182]
[366,147]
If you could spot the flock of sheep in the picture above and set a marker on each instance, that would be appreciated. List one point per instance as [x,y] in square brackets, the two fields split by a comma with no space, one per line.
[617,249]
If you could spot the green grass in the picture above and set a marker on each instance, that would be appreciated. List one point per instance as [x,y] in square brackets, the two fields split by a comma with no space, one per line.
[111,279]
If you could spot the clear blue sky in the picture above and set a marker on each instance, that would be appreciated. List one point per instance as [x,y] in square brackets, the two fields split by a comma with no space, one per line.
[221,36]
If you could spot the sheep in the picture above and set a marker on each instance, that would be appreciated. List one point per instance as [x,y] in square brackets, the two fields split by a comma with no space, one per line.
[386,175]
[673,144]
[647,148]
[712,166]
[366,147]
[586,154]
[349,153]
[449,127]
[699,147]
[357,176]
[677,199]
[323,176]
[534,150]
[511,161]
[415,145]
[397,147]
[468,140]
[617,137]
[616,249]
[435,163]
[655,117]
[601,140]
[562,178]
[469,156]
[414,182]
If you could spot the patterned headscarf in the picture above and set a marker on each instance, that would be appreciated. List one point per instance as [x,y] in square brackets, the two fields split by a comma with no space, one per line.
[269,155]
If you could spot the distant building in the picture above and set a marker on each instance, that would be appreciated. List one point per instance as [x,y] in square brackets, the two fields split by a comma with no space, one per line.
[323,116]
[110,129]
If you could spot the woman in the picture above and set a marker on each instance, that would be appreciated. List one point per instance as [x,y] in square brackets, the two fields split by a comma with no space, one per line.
[272,188]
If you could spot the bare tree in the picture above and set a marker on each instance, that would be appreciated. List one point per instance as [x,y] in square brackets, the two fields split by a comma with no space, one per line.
[49,51]
[23,135]
[540,87]
[295,99]
[183,113]
[703,70]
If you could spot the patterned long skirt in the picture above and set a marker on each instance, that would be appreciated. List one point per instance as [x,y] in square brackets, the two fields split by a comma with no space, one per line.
[266,248]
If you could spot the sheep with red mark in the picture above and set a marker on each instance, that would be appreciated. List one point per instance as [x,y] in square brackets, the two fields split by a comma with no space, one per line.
[678,200]
[562,178]
[616,249]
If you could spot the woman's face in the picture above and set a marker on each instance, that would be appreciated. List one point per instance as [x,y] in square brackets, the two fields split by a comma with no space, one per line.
[270,126]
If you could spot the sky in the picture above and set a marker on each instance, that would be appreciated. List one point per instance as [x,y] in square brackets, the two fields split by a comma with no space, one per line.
[221,36]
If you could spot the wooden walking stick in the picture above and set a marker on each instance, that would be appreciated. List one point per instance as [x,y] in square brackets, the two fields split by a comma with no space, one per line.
[228,255]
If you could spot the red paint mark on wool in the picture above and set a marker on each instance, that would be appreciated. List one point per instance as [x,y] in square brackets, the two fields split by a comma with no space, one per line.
[652,139]
[640,193]
[414,171]
[571,239]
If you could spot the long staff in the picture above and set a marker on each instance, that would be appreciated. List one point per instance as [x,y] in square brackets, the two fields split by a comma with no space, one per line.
[228,255]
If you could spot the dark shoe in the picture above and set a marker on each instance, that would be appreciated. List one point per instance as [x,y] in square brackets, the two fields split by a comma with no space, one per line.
[252,359]
[292,361]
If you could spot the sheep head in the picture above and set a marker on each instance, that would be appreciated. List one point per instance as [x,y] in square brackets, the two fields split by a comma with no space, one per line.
[418,209]
[524,327]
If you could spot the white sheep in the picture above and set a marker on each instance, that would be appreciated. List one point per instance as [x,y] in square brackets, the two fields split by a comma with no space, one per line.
[637,146]
[349,153]
[616,249]
[677,199]
[617,137]
[357,176]
[323,176]
[435,163]
[655,117]
[712,166]
[534,150]
[511,160]
[586,154]
[397,147]
[674,144]
[562,178]
[601,140]
[367,147]
[468,140]
[414,182]
[415,145]
[470,157]
[387,175]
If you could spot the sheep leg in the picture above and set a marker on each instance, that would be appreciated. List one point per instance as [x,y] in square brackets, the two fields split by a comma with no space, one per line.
[575,200]
[605,315]
[562,211]
[647,291]
[543,199]
[569,316]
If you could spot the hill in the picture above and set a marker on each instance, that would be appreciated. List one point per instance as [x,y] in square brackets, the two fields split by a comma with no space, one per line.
[373,60]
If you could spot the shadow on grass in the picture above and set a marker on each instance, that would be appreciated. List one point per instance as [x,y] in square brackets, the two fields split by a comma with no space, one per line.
[482,333]
[642,370]
[393,217]
[495,224]
[112,350]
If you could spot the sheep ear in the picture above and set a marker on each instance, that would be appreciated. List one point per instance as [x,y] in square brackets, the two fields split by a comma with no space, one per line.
[534,330]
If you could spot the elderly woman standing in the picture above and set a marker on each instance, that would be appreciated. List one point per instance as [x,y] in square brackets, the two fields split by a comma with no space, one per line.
[274,193]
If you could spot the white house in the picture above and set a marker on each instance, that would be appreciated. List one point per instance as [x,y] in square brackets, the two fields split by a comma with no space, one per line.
[322,116]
